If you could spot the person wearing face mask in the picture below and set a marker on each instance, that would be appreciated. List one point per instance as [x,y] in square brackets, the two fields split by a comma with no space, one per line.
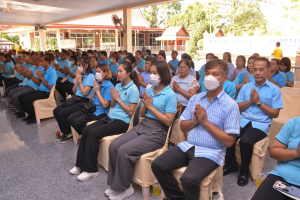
[101,98]
[158,108]
[245,78]
[140,62]
[125,97]
[83,89]
[103,58]
[259,101]
[240,68]
[67,83]
[210,123]
[113,68]
[94,63]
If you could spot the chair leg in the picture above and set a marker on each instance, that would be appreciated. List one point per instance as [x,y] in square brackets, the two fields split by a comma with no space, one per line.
[38,121]
[146,193]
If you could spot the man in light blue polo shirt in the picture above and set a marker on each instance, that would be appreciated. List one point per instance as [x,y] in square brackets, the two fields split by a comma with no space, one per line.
[276,76]
[47,78]
[60,67]
[103,58]
[259,101]
[211,121]
[173,64]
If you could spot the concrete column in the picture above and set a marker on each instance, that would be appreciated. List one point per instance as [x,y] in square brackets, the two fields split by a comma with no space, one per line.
[58,38]
[43,39]
[117,39]
[28,41]
[161,45]
[127,20]
[175,45]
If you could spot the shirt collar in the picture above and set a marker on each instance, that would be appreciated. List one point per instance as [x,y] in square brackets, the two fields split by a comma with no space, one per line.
[267,83]
[204,94]
[276,72]
[127,86]
[164,91]
[105,83]
[46,71]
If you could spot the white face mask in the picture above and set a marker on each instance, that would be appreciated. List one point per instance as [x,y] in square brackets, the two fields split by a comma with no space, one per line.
[211,83]
[98,76]
[154,79]
[207,60]
[123,56]
[80,69]
[72,62]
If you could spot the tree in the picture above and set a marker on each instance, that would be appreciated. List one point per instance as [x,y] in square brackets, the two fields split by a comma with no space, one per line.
[238,17]
[156,15]
[12,38]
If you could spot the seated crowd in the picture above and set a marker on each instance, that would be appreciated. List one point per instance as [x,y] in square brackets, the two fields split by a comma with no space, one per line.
[220,104]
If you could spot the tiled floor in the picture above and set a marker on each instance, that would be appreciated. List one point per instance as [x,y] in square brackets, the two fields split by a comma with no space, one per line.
[34,166]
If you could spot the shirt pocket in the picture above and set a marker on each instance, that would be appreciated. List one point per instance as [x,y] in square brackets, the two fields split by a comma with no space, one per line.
[267,101]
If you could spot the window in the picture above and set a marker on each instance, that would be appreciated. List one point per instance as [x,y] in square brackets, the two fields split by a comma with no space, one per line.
[140,39]
[108,41]
[152,41]
[83,40]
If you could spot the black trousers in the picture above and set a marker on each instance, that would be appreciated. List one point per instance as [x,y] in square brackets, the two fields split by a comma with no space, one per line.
[68,88]
[249,136]
[26,100]
[61,115]
[11,81]
[78,122]
[197,169]
[266,191]
[89,145]
[1,79]
[61,88]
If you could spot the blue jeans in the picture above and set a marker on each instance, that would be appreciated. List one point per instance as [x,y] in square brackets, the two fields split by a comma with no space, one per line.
[12,88]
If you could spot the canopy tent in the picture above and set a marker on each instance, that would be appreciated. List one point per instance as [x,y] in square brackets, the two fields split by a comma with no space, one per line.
[5,42]
[174,33]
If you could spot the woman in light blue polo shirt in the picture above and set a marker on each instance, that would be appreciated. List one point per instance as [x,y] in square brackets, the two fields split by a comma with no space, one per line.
[286,149]
[101,98]
[140,62]
[7,67]
[113,68]
[83,89]
[67,83]
[240,80]
[285,67]
[125,97]
[240,68]
[158,108]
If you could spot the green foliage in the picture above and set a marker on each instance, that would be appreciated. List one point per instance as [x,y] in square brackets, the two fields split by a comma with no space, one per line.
[51,43]
[36,44]
[12,38]
[166,10]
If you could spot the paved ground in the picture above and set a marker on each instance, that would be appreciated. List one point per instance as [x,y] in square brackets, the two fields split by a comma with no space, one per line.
[34,166]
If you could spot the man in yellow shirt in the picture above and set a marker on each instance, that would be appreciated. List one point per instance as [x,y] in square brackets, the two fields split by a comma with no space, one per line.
[277,53]
[20,49]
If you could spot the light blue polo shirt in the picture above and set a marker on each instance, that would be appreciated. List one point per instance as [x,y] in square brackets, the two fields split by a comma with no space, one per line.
[241,77]
[57,59]
[289,76]
[19,76]
[279,78]
[269,94]
[201,71]
[25,82]
[224,113]
[15,56]
[174,64]
[50,77]
[30,82]
[231,71]
[289,135]
[1,63]
[94,71]
[106,95]
[231,66]
[141,64]
[228,87]
[87,80]
[128,94]
[52,64]
[26,65]
[165,101]
[62,64]
[104,62]
[8,66]
[114,69]
[71,68]
[146,76]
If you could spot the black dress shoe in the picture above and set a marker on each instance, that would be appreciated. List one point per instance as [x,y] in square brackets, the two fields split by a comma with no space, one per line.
[21,115]
[243,178]
[17,113]
[26,118]
[228,169]
[31,121]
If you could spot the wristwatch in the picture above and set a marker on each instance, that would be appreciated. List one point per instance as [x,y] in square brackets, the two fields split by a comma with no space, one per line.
[260,103]
[119,101]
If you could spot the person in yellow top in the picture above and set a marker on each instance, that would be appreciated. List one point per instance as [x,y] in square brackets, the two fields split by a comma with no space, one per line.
[277,53]
[20,49]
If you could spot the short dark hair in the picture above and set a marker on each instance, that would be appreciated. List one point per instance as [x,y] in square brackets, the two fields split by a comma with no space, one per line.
[186,62]
[175,52]
[263,59]
[104,53]
[95,58]
[221,63]
[148,51]
[278,44]
[277,61]
[186,57]
[152,59]
[214,58]
[74,58]
[90,51]
[47,59]
[209,54]
[285,61]
[131,58]
[164,72]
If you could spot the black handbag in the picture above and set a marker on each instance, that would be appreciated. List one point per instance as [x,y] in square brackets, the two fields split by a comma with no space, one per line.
[87,108]
[71,101]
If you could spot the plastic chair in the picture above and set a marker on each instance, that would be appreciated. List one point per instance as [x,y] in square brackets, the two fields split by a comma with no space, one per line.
[44,108]
[258,157]
[291,109]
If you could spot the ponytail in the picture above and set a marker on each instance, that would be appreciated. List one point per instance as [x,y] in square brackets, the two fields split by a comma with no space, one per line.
[133,76]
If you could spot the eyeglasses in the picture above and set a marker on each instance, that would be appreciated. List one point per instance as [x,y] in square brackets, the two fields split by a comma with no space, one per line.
[182,67]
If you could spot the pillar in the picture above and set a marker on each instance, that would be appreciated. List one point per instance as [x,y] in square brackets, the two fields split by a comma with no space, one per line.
[117,39]
[127,19]
[175,45]
[161,45]
[58,39]
[43,39]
